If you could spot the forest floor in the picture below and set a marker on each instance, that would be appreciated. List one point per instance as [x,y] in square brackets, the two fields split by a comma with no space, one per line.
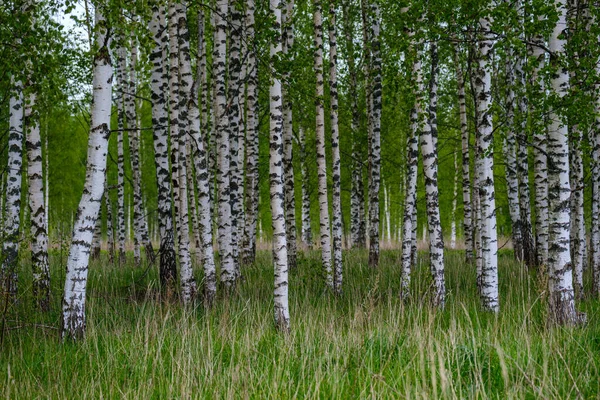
[364,344]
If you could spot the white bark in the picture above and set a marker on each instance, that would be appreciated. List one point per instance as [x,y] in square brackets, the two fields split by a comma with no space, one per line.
[324,230]
[228,270]
[560,277]
[280,258]
[430,170]
[12,218]
[485,172]
[335,154]
[73,308]
[251,141]
[159,90]
[306,220]
[288,159]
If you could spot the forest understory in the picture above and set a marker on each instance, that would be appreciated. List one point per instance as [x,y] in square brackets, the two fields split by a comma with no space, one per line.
[365,343]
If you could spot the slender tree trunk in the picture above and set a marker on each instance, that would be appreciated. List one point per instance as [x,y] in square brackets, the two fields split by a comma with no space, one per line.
[39,235]
[527,238]
[280,257]
[110,233]
[335,154]
[191,178]
[288,159]
[510,157]
[204,226]
[180,83]
[454,198]
[224,217]
[540,162]
[10,246]
[357,200]
[485,172]
[430,170]
[306,220]
[320,139]
[235,168]
[412,160]
[121,117]
[595,229]
[560,277]
[375,145]
[73,308]
[251,141]
[159,90]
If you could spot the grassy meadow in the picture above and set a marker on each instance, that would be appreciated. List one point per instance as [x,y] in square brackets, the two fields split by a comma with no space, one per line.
[364,344]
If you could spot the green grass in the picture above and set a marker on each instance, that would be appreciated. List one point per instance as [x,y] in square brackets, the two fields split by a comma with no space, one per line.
[364,344]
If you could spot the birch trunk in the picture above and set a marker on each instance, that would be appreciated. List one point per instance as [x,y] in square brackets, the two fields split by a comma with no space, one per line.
[510,156]
[412,162]
[39,235]
[204,226]
[560,277]
[12,218]
[540,162]
[335,154]
[320,142]
[375,145]
[73,307]
[121,117]
[251,141]
[159,89]
[280,257]
[233,114]
[489,239]
[228,270]
[357,201]
[288,158]
[454,198]
[430,170]
[179,77]
[306,220]
[595,231]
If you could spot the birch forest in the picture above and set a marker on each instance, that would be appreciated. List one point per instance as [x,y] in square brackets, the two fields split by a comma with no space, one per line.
[300,199]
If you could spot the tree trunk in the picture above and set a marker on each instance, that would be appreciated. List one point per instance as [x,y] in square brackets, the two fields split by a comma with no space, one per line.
[159,89]
[335,154]
[251,182]
[280,257]
[560,276]
[73,308]
[306,221]
[288,159]
[235,168]
[320,139]
[375,145]
[228,270]
[39,235]
[510,157]
[357,195]
[180,83]
[485,172]
[412,162]
[430,170]
[121,117]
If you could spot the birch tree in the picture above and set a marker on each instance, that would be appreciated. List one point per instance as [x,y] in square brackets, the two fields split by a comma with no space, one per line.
[251,181]
[430,171]
[73,306]
[357,201]
[12,219]
[324,230]
[560,277]
[485,170]
[335,150]
[306,220]
[288,159]
[280,257]
[158,89]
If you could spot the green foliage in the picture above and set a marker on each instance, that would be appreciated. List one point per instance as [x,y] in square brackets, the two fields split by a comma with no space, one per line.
[362,344]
